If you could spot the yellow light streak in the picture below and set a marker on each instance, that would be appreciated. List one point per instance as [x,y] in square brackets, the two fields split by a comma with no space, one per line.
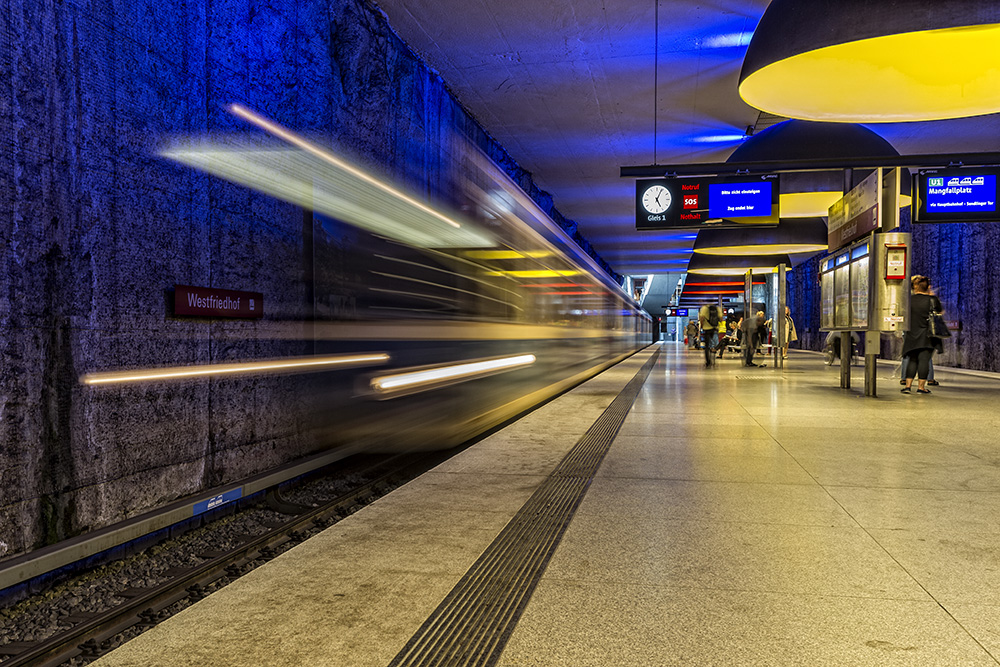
[534,274]
[299,364]
[508,254]
[294,139]
[426,378]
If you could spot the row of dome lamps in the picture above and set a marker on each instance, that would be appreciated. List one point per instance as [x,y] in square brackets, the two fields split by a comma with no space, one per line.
[905,61]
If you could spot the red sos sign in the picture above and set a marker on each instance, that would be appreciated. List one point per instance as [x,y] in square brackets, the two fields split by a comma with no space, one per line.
[690,201]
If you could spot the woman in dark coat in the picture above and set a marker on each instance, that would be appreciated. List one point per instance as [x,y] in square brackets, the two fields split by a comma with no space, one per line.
[918,344]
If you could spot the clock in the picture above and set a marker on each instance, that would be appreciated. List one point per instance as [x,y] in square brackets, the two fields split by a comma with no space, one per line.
[656,199]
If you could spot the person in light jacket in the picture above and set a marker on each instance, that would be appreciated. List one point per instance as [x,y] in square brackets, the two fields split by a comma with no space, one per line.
[789,333]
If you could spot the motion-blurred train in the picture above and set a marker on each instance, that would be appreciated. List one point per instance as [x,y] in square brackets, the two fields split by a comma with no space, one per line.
[441,321]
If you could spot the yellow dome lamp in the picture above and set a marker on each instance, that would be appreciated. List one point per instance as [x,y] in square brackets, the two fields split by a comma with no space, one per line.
[871,61]
[809,194]
[789,237]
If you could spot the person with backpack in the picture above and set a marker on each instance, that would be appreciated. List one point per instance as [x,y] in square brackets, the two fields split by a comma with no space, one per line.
[710,318]
[691,335]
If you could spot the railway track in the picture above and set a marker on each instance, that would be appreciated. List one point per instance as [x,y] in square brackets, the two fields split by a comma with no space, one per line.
[92,635]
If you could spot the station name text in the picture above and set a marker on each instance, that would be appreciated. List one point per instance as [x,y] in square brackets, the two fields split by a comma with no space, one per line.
[195,301]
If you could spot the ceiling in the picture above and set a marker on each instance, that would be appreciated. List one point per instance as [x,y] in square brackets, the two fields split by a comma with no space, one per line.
[567,87]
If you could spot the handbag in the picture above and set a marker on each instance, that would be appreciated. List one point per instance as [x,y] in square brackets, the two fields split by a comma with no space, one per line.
[936,326]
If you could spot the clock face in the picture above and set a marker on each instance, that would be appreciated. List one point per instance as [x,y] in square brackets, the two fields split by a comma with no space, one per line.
[656,199]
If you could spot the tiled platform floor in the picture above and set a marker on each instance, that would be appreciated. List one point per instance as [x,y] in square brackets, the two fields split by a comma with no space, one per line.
[741,517]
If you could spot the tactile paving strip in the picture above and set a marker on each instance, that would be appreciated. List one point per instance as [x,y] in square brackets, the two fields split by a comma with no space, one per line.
[473,623]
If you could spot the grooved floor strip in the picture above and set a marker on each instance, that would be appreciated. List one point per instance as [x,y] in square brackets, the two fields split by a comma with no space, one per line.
[472,624]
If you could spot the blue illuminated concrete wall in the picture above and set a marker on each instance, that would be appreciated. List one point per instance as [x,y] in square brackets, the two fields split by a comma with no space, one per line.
[95,227]
[963,263]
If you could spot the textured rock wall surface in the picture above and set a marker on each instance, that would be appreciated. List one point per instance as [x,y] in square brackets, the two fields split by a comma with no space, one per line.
[95,227]
[963,262]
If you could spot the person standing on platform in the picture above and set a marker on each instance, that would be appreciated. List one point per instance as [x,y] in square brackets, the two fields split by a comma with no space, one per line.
[938,346]
[691,333]
[754,331]
[790,335]
[710,319]
[918,344]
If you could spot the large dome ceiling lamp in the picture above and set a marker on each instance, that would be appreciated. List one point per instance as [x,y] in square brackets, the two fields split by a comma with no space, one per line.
[810,194]
[871,61]
[788,237]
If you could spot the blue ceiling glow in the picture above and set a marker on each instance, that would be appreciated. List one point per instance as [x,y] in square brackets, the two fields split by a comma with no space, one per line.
[608,192]
[718,138]
[643,239]
[659,252]
[727,41]
[729,25]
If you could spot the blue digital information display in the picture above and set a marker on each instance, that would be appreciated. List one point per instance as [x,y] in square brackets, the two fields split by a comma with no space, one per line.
[694,203]
[739,200]
[961,193]
[957,195]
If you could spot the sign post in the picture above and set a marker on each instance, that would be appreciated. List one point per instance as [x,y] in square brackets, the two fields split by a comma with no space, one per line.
[779,318]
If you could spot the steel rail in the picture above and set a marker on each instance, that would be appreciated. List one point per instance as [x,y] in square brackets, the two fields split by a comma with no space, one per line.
[89,637]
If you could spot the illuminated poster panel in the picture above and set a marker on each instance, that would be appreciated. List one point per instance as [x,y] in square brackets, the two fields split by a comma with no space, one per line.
[859,293]
[842,296]
[827,320]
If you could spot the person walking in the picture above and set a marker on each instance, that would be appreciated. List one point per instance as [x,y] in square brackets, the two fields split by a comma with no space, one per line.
[918,345]
[710,319]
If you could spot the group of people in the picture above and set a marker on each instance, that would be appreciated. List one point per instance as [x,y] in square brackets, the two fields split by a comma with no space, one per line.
[749,333]
[715,334]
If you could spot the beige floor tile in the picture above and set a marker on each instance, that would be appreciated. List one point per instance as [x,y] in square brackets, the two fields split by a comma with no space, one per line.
[638,500]
[956,568]
[924,510]
[952,473]
[702,459]
[447,491]
[980,621]
[817,560]
[587,624]
[321,621]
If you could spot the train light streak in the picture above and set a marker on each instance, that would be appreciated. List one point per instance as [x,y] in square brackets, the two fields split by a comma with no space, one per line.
[432,377]
[294,139]
[534,274]
[292,364]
